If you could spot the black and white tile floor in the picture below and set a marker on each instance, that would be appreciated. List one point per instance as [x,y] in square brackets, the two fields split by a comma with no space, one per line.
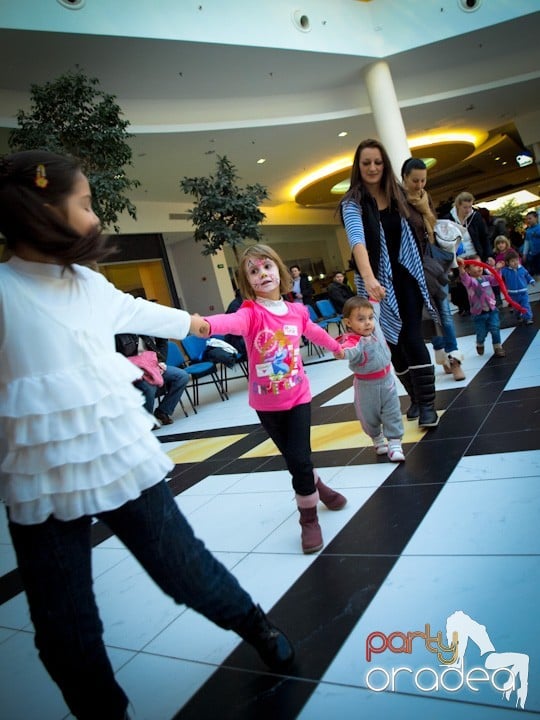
[454,528]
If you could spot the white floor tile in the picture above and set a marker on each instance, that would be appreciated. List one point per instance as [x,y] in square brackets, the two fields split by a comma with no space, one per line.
[133,609]
[26,690]
[14,613]
[159,686]
[493,591]
[498,517]
[241,522]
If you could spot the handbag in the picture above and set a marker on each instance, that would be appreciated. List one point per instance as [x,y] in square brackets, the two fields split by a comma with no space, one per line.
[448,236]
[437,263]
[148,362]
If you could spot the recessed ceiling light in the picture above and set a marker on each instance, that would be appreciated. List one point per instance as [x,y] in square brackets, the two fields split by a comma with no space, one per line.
[343,133]
[260,161]
[72,4]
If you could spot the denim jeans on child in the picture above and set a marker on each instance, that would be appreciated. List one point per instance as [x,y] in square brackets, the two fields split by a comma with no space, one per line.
[487,322]
[447,341]
[54,561]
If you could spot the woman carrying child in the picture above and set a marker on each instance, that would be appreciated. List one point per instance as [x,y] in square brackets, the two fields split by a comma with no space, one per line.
[278,387]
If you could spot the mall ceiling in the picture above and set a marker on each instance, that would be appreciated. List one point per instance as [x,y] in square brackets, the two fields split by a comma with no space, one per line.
[188,102]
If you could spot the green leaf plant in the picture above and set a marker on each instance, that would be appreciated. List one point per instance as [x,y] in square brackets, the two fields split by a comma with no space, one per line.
[223,213]
[72,116]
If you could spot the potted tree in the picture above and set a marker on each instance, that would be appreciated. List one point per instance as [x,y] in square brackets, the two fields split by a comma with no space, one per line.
[71,115]
[224,213]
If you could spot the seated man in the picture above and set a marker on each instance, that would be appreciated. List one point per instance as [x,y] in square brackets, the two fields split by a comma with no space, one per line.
[175,379]
[339,292]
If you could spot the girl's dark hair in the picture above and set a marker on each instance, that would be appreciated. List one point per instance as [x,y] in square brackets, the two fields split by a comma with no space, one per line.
[391,187]
[34,186]
[411,164]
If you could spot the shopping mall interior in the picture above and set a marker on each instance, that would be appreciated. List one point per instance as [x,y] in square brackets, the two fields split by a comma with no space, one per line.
[443,542]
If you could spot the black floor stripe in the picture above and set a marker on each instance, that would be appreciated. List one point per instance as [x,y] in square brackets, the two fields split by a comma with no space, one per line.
[320,610]
[484,389]
[323,606]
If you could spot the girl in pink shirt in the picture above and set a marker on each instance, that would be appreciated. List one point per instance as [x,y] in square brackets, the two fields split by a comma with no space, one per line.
[278,387]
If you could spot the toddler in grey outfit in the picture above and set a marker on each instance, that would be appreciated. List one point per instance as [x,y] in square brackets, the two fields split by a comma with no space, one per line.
[376,398]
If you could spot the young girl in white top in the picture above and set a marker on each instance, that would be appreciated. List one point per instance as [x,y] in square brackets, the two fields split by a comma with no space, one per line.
[75,441]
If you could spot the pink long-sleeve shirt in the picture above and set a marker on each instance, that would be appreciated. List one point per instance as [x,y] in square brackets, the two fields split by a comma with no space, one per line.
[277,380]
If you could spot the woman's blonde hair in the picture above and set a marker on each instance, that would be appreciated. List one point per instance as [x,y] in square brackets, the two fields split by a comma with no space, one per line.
[463,197]
[501,238]
[262,252]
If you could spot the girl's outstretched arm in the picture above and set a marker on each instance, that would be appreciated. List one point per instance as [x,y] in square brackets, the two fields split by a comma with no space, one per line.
[236,323]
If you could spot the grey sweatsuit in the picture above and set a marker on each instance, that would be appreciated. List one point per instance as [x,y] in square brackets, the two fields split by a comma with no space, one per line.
[376,399]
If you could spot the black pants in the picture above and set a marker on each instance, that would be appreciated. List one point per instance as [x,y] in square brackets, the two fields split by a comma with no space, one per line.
[290,430]
[410,349]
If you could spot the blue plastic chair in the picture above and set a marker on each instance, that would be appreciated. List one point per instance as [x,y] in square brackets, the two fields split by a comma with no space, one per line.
[319,321]
[240,360]
[329,314]
[194,348]
[176,359]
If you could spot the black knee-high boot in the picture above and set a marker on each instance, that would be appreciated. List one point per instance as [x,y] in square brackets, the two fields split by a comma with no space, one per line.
[423,380]
[406,380]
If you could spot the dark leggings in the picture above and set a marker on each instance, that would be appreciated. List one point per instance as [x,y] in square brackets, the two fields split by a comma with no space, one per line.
[291,431]
[410,350]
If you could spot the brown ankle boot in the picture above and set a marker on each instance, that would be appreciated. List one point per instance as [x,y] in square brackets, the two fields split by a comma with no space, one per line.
[331,498]
[311,530]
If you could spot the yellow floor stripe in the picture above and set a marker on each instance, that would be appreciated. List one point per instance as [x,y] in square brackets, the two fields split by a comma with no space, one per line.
[202,449]
[337,436]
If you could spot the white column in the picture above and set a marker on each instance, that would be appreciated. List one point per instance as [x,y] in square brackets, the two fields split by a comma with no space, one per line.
[386,113]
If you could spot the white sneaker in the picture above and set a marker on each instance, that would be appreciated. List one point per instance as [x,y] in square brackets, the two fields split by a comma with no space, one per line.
[380,444]
[395,451]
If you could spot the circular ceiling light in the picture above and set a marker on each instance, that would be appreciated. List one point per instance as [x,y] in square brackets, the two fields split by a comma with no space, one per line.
[301,20]
[469,5]
[72,4]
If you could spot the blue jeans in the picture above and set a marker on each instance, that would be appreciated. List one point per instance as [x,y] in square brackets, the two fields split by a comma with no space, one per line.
[522,298]
[176,380]
[487,322]
[54,560]
[447,340]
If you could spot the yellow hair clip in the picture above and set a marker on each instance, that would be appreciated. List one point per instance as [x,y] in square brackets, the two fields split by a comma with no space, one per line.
[41,177]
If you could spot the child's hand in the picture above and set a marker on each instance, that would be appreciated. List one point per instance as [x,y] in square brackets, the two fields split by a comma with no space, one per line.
[339,354]
[491,261]
[199,326]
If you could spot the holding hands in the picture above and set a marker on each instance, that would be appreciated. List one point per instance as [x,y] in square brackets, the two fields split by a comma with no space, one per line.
[199,326]
[375,290]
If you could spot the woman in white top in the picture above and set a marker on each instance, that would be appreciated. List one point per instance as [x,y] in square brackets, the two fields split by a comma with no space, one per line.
[75,441]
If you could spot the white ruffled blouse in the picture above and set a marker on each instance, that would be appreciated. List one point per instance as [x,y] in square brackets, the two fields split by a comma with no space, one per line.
[74,437]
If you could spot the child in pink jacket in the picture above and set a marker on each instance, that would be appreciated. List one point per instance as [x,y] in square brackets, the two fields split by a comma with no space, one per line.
[278,387]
